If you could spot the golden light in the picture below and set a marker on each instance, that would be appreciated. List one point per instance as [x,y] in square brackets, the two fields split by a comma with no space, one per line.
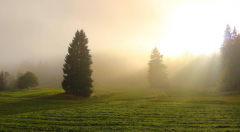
[198,27]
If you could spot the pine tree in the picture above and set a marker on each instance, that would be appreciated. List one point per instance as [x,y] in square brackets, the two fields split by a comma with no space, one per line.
[225,46]
[230,64]
[157,75]
[2,82]
[234,34]
[225,76]
[77,68]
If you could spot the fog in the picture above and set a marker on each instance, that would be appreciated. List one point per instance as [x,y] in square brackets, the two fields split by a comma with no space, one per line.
[185,70]
[43,29]
[35,36]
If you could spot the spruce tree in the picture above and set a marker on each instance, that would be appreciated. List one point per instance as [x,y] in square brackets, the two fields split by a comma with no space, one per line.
[230,63]
[2,82]
[157,75]
[234,33]
[77,68]
[225,75]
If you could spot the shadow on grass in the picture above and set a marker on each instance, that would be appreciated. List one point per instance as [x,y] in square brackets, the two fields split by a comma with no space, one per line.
[39,104]
[65,96]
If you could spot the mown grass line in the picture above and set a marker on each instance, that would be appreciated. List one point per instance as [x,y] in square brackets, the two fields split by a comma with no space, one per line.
[123,110]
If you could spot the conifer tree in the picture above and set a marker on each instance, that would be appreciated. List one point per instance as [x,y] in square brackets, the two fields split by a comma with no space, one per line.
[230,63]
[234,34]
[2,82]
[77,68]
[225,76]
[157,75]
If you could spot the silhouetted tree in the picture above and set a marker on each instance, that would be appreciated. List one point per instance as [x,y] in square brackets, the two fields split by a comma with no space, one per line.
[77,68]
[28,80]
[230,63]
[2,82]
[234,34]
[157,75]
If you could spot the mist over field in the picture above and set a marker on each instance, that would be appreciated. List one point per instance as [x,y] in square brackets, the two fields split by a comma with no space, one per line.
[35,36]
[119,65]
[187,70]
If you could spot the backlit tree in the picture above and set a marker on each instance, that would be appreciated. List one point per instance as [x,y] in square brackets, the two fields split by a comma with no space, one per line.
[77,68]
[157,75]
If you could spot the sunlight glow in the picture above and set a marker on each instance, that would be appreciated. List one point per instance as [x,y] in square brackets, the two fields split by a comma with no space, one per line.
[199,27]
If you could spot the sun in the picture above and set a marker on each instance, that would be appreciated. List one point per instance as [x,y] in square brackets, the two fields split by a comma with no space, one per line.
[197,27]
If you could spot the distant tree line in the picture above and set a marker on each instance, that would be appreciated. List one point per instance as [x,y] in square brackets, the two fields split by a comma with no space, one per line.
[46,74]
[77,69]
[8,81]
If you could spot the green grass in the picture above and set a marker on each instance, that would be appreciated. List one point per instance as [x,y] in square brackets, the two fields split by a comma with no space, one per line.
[127,108]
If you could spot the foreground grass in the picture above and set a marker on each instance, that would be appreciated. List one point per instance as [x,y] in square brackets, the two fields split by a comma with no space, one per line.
[127,108]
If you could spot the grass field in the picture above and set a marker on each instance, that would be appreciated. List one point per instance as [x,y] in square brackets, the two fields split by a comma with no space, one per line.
[127,108]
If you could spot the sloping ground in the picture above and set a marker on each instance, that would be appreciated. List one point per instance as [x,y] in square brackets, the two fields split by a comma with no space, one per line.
[120,111]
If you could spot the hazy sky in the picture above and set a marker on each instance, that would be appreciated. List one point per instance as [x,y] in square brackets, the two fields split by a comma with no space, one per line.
[43,29]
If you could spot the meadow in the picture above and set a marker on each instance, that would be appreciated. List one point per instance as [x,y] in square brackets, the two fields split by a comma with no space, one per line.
[128,107]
